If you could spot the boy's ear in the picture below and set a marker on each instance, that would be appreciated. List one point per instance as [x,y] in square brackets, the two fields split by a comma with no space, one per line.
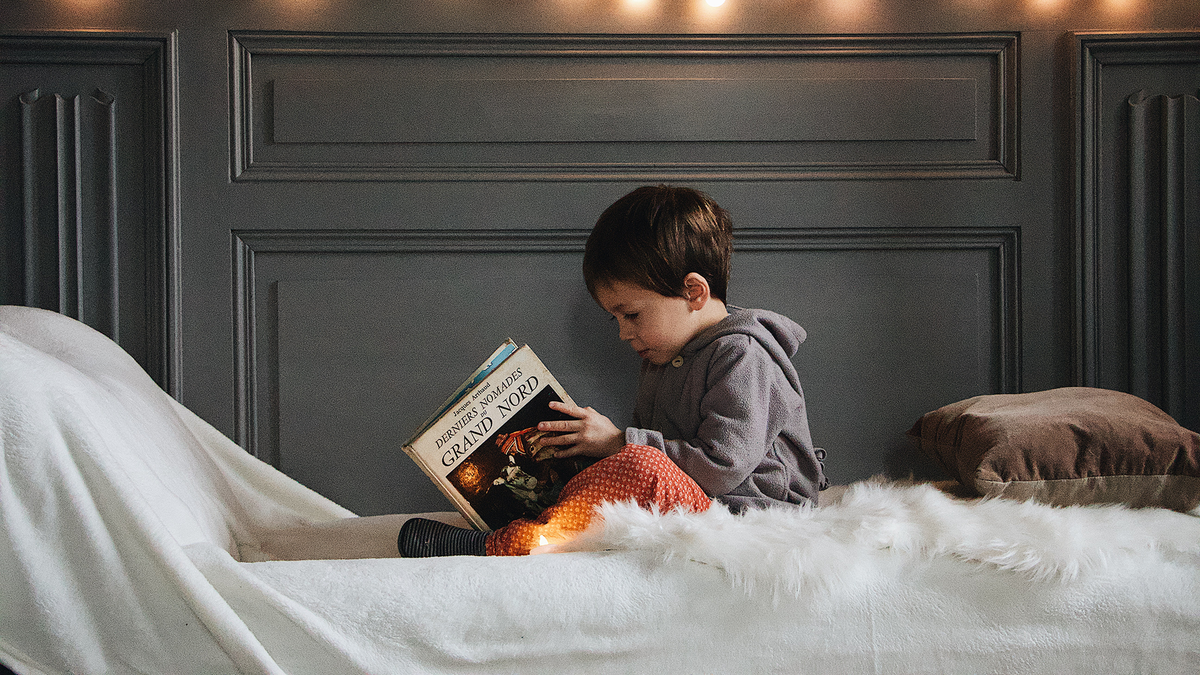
[695,290]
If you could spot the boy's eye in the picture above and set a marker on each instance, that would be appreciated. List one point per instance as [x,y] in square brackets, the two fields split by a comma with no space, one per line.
[631,317]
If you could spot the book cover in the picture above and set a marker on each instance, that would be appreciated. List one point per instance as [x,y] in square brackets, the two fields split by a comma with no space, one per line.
[482,448]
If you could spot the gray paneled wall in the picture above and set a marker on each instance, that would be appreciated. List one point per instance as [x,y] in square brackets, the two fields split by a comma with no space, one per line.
[369,199]
[643,108]
[89,222]
[69,194]
[1139,243]
[349,339]
[1164,225]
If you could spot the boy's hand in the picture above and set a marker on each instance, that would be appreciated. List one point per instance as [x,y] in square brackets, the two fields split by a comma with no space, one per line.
[590,433]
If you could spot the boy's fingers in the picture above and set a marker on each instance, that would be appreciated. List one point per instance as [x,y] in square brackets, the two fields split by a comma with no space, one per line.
[572,410]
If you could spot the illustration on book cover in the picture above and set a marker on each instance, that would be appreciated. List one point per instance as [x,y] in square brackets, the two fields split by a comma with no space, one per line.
[511,474]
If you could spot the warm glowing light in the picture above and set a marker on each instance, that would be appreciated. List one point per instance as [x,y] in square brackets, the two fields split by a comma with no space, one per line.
[1122,6]
[542,540]
[712,14]
[849,11]
[301,8]
[1045,5]
[89,6]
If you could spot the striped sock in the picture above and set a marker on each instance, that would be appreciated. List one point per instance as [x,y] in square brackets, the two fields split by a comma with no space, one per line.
[424,538]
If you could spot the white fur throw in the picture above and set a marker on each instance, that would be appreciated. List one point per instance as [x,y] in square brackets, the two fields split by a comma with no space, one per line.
[800,551]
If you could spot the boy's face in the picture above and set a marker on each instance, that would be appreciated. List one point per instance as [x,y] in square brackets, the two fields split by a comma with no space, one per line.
[655,325]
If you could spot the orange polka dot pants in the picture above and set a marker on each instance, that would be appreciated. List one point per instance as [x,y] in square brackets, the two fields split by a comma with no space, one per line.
[638,473]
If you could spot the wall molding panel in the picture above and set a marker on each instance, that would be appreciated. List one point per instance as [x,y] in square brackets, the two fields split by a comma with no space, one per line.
[69,190]
[1138,217]
[1164,226]
[250,245]
[93,229]
[1001,243]
[314,258]
[637,107]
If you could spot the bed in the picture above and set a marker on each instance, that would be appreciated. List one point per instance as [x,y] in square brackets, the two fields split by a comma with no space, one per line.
[135,538]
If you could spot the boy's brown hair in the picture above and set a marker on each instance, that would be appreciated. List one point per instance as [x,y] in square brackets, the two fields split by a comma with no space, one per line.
[654,236]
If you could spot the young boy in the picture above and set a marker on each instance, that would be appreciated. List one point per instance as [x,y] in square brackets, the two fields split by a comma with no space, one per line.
[720,412]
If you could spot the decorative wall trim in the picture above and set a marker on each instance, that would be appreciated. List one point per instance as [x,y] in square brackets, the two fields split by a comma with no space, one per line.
[261,62]
[1138,270]
[1003,242]
[1164,225]
[70,195]
[69,189]
[247,245]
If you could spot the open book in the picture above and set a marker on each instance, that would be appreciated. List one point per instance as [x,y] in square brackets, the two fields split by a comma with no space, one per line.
[482,446]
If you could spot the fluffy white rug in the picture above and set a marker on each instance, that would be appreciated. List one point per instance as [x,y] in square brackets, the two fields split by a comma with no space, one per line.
[798,551]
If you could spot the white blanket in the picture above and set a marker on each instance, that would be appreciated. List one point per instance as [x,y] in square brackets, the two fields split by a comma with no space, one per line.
[123,518]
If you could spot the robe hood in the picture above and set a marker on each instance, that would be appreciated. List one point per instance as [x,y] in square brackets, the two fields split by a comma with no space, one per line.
[779,335]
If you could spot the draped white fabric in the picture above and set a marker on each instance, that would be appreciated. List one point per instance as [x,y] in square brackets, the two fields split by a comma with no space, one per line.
[125,523]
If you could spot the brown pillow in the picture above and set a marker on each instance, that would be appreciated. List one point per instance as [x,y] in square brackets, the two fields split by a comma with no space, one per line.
[1075,445]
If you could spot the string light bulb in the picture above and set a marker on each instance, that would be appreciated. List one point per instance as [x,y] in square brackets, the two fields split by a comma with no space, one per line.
[715,3]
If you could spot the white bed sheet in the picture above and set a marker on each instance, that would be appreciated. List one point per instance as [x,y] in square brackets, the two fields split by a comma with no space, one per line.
[123,517]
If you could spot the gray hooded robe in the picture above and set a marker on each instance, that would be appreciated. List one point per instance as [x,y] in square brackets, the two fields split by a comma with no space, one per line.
[729,411]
